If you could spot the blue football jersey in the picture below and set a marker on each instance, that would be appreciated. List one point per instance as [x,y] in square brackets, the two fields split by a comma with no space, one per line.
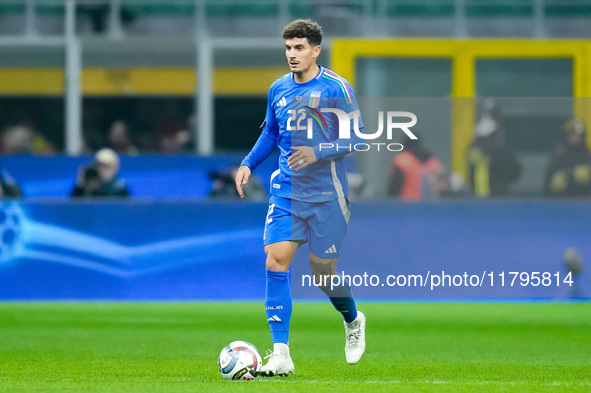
[309,114]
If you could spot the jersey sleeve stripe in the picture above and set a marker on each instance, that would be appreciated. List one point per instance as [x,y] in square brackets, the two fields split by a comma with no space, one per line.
[344,87]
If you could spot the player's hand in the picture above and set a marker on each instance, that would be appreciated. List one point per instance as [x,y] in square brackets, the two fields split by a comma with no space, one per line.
[301,157]
[241,179]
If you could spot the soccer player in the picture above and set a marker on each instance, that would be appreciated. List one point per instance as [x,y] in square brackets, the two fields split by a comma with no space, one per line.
[309,192]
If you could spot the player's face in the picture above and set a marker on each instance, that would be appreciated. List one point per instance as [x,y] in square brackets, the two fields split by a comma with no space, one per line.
[301,56]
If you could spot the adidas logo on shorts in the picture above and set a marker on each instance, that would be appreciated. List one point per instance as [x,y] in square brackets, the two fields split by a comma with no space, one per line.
[331,250]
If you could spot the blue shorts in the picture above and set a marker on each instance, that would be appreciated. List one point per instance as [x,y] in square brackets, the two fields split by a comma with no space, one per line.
[322,224]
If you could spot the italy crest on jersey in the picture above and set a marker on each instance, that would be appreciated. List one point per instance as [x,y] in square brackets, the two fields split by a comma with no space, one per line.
[315,99]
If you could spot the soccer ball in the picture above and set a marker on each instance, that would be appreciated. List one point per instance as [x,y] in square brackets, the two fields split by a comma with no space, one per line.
[240,360]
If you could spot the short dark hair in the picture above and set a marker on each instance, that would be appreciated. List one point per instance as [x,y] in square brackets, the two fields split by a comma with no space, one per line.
[304,28]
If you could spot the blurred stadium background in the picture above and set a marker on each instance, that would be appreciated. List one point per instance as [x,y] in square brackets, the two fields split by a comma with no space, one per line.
[189,78]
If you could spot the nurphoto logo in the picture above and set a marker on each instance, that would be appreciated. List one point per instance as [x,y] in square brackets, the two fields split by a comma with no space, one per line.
[395,120]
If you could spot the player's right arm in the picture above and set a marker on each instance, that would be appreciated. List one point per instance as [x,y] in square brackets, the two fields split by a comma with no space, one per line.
[263,147]
[241,179]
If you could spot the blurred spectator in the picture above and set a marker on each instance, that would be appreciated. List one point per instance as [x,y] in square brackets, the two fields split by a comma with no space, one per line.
[173,133]
[23,139]
[8,187]
[415,174]
[98,14]
[492,165]
[40,145]
[17,140]
[224,187]
[175,142]
[569,169]
[99,179]
[120,139]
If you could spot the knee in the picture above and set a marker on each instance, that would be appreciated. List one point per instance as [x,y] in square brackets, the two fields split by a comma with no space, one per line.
[277,260]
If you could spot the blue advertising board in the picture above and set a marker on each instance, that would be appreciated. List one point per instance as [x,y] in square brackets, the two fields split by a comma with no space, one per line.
[167,249]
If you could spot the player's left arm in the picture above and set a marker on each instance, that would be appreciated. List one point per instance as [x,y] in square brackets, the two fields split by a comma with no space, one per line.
[340,147]
[303,156]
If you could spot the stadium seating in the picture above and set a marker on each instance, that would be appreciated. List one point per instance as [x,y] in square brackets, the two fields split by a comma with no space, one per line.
[267,8]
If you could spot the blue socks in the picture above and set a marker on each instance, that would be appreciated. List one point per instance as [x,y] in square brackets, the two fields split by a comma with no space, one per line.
[278,304]
[342,299]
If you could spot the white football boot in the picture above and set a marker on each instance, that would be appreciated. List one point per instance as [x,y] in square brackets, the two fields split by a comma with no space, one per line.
[355,339]
[279,363]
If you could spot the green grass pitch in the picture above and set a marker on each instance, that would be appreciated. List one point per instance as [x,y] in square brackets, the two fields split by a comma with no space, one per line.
[414,346]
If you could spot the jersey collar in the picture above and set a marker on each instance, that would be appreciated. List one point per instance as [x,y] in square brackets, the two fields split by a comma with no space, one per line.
[318,75]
